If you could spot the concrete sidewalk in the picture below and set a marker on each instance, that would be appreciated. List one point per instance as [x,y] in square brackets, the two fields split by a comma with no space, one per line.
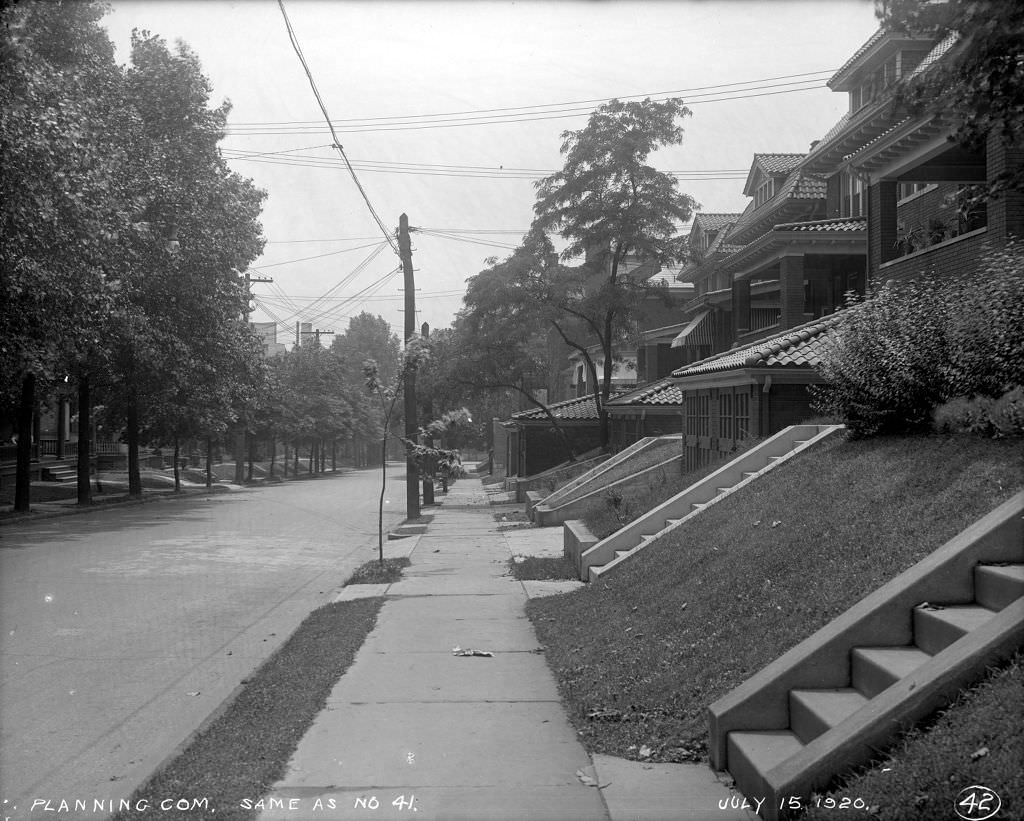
[414,728]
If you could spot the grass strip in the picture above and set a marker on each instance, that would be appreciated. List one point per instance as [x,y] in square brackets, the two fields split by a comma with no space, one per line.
[377,572]
[979,740]
[246,749]
[639,656]
[535,568]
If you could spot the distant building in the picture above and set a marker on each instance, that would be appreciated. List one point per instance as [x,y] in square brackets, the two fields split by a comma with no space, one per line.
[267,332]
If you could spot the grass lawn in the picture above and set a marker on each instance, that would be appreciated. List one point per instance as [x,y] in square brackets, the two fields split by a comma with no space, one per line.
[640,655]
[377,572]
[616,510]
[530,568]
[980,740]
[246,748]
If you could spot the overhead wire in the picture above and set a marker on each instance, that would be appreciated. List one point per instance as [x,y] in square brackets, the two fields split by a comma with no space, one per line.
[334,136]
[714,93]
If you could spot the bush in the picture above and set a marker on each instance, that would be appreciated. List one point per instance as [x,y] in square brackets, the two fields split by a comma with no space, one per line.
[983,415]
[904,349]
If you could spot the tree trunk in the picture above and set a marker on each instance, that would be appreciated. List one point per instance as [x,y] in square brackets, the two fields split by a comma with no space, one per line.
[84,441]
[284,464]
[312,448]
[295,453]
[250,442]
[209,461]
[177,465]
[334,456]
[134,476]
[272,446]
[380,505]
[239,453]
[23,471]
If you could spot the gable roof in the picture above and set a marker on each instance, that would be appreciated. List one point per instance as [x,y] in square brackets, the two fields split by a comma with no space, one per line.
[662,392]
[770,165]
[797,347]
[756,220]
[580,408]
[713,222]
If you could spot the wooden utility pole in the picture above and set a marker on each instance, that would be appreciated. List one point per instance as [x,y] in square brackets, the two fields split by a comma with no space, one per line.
[412,491]
[243,447]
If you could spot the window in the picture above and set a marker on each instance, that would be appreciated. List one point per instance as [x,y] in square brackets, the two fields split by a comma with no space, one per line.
[725,420]
[742,415]
[691,415]
[765,191]
[703,415]
[852,204]
[906,190]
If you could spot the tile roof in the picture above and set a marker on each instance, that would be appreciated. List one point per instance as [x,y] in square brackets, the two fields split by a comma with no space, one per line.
[797,186]
[662,392]
[712,222]
[847,224]
[937,53]
[872,41]
[797,347]
[778,163]
[580,408]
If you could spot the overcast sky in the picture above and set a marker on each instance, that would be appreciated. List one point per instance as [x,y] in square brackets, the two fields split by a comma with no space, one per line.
[392,74]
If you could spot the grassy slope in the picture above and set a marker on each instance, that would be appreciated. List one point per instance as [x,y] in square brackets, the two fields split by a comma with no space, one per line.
[699,612]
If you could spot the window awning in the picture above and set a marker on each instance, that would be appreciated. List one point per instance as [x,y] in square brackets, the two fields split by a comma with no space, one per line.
[698,332]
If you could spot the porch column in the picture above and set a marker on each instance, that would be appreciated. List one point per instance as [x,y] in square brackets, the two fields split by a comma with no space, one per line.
[1006,212]
[740,306]
[791,292]
[881,225]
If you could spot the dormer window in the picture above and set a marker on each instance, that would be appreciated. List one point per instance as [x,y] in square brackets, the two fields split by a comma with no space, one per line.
[765,191]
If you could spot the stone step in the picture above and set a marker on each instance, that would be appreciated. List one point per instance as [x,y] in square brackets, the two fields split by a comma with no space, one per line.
[620,553]
[698,505]
[723,489]
[813,712]
[753,753]
[936,629]
[798,442]
[747,474]
[996,586]
[874,669]
[670,522]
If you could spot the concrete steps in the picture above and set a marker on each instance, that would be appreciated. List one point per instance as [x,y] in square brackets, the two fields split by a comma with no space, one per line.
[832,702]
[622,545]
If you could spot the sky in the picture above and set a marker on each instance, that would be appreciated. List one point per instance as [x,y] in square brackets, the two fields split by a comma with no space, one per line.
[449,111]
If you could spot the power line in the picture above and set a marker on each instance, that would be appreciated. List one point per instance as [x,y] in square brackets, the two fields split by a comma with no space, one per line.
[334,136]
[561,105]
[499,120]
[315,256]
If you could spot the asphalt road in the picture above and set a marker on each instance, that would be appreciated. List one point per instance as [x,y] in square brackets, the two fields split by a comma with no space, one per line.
[121,630]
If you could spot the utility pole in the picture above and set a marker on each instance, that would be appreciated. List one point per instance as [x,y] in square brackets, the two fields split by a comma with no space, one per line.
[412,492]
[242,444]
[317,332]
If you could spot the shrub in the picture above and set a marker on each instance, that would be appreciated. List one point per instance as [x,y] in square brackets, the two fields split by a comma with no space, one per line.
[983,415]
[904,349]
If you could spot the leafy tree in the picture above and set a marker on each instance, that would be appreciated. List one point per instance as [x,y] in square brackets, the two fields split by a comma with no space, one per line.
[980,81]
[62,209]
[181,302]
[416,353]
[610,205]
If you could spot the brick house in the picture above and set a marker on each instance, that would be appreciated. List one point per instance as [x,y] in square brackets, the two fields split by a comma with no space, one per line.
[534,445]
[914,185]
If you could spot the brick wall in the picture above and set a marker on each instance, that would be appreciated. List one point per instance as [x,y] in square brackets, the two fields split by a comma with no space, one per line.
[881,223]
[952,256]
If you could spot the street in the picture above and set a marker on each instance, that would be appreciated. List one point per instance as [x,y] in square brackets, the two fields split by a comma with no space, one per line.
[123,629]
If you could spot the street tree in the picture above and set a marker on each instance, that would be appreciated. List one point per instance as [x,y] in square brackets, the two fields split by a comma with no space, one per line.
[979,83]
[181,302]
[611,205]
[416,352]
[63,206]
